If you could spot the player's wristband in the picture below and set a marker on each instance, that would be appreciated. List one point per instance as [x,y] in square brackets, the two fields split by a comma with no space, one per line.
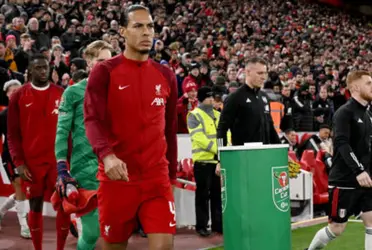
[62,167]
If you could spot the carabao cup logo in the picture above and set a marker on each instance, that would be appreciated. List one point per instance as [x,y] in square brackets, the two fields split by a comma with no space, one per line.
[280,188]
[223,189]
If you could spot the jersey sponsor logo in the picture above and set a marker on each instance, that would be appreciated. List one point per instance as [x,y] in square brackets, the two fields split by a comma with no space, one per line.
[172,209]
[223,189]
[123,87]
[248,100]
[28,105]
[280,188]
[360,121]
[158,101]
[158,89]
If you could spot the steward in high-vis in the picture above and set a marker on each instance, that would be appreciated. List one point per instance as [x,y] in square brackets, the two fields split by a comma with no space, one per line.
[202,124]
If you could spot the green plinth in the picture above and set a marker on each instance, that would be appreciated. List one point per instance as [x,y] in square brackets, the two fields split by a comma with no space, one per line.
[255,197]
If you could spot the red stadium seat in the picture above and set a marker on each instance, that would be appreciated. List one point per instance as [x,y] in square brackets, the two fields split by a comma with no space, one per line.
[320,180]
[307,160]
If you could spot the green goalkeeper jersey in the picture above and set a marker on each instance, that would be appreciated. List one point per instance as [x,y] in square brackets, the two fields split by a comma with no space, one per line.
[83,162]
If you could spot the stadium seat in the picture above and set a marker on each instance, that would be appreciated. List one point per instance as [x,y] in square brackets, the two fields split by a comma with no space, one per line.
[307,160]
[320,178]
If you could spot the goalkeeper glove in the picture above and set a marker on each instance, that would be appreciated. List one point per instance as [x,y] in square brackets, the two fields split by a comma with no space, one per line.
[64,178]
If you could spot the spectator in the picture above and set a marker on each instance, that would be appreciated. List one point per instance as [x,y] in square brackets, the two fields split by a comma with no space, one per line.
[58,61]
[302,112]
[287,120]
[186,104]
[17,29]
[322,109]
[23,53]
[41,39]
[290,138]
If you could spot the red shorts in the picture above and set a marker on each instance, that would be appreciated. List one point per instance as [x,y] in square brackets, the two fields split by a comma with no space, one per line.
[120,205]
[43,181]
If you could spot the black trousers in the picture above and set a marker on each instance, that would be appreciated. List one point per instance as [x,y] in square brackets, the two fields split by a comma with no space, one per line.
[208,189]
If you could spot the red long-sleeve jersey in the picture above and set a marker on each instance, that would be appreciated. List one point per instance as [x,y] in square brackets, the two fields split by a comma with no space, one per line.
[32,124]
[130,110]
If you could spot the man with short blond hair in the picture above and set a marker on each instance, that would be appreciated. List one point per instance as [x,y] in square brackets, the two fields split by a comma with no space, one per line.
[349,178]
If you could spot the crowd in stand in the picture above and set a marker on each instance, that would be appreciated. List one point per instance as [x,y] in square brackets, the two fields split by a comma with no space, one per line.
[309,48]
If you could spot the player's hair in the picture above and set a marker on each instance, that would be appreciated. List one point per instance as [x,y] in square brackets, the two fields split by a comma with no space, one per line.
[94,48]
[79,75]
[354,76]
[125,16]
[37,56]
[256,60]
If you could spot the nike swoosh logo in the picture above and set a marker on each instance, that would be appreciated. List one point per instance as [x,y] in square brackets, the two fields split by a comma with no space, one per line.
[28,105]
[123,87]
[171,224]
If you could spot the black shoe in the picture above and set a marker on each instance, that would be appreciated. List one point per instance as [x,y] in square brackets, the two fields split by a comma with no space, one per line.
[203,232]
[142,233]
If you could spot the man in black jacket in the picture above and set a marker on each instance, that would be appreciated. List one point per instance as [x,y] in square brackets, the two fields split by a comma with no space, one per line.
[349,178]
[246,112]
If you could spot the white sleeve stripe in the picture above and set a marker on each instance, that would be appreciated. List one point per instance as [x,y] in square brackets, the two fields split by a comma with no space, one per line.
[356,160]
[298,102]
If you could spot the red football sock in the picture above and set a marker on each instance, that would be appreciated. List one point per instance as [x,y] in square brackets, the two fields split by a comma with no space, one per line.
[63,228]
[35,223]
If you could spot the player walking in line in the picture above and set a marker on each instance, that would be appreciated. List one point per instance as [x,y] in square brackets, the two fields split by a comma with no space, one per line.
[32,123]
[350,184]
[83,163]
[18,199]
[131,123]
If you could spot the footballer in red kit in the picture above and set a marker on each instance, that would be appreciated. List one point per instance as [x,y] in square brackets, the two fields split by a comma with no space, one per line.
[32,124]
[131,123]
